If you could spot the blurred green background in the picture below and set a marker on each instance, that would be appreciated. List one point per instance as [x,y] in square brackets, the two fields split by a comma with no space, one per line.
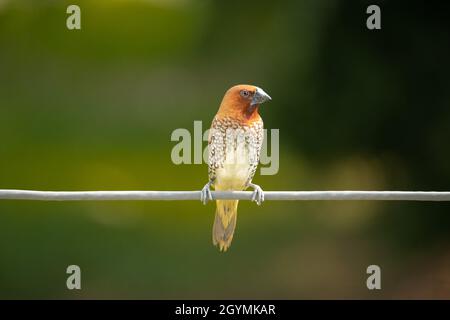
[94,109]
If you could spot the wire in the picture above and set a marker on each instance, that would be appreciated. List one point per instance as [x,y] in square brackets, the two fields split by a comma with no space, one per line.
[223,195]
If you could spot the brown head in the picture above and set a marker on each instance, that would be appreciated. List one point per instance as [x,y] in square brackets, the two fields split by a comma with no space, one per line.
[241,102]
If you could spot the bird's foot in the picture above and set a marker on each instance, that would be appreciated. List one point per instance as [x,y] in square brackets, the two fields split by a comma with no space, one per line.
[205,195]
[258,193]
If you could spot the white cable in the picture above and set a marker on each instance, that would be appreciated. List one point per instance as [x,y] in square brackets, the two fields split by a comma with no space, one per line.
[230,195]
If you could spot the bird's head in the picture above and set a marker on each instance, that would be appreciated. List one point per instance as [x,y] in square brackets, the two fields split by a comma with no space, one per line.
[242,102]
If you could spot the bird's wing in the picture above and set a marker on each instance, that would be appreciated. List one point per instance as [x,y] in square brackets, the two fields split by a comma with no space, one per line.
[216,146]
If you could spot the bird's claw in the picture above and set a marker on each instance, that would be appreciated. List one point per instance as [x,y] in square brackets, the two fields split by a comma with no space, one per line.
[206,195]
[258,194]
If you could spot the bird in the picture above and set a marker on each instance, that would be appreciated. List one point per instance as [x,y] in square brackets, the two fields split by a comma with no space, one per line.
[234,146]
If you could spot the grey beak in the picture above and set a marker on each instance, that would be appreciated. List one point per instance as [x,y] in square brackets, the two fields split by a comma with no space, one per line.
[260,97]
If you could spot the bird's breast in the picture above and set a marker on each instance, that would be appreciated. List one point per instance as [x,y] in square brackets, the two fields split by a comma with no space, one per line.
[235,153]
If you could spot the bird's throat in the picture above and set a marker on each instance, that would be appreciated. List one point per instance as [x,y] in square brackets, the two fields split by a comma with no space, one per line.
[251,111]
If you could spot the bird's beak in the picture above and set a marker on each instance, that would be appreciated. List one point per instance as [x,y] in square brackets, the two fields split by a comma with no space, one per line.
[260,97]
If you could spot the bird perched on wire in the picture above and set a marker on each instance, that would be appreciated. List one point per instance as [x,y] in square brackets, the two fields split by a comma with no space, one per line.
[234,142]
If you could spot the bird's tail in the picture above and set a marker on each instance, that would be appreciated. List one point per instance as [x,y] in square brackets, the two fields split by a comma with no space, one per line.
[224,223]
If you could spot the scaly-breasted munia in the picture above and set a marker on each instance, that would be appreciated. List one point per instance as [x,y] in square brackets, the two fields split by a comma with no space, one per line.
[235,141]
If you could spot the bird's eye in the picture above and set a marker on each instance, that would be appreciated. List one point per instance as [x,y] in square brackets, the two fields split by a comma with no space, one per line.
[245,93]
